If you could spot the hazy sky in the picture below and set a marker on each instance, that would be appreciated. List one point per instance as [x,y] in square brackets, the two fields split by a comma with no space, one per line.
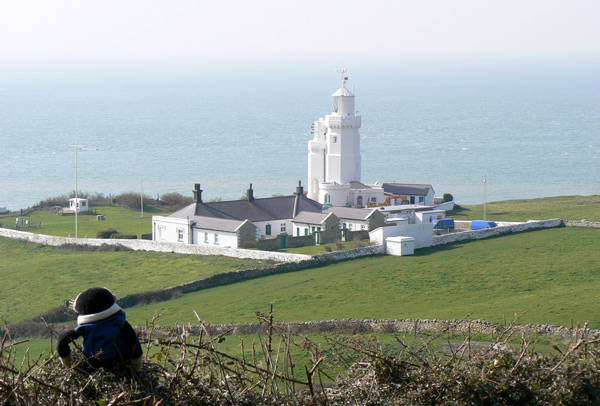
[261,31]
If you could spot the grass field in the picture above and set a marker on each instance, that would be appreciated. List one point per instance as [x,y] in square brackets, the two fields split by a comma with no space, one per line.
[36,278]
[553,275]
[121,219]
[564,207]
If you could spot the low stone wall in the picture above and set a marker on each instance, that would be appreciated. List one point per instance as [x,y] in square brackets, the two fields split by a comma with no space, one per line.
[351,326]
[349,254]
[145,245]
[491,232]
[592,224]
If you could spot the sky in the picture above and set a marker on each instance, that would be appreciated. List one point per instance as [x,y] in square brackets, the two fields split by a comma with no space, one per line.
[262,32]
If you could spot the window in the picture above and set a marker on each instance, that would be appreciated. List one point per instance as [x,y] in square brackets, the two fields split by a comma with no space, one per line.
[412,200]
[439,216]
[216,238]
[298,231]
[363,227]
[161,232]
[268,229]
[373,200]
[344,225]
[306,231]
[206,238]
[421,199]
[359,201]
[334,140]
[327,198]
[180,234]
[283,227]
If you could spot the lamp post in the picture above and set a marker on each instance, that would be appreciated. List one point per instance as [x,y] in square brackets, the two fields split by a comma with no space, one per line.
[77,148]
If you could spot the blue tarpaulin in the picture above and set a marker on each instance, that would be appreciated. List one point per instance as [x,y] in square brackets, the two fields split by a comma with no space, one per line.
[443,224]
[480,224]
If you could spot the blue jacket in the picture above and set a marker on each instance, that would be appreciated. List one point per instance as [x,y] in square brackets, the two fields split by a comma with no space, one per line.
[104,338]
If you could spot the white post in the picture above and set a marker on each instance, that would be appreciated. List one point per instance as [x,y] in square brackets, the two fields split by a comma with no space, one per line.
[484,199]
[141,191]
[83,148]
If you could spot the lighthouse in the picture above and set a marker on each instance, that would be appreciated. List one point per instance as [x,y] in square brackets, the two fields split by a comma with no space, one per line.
[334,162]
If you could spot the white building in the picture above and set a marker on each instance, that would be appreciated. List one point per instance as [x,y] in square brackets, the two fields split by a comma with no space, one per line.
[78,204]
[334,162]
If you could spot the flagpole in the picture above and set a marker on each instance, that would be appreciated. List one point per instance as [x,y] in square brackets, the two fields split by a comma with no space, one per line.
[484,200]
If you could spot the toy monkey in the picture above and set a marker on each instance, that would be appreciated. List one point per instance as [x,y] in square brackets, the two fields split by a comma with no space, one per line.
[108,339]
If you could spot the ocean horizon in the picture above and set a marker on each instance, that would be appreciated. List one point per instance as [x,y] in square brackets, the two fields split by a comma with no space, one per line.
[532,130]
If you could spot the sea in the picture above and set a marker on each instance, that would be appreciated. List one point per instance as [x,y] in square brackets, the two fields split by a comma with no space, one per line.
[528,128]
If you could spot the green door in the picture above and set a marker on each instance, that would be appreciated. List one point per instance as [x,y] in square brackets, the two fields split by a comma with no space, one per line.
[283,241]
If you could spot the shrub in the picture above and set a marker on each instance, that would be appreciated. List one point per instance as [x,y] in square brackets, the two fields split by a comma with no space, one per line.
[175,201]
[120,236]
[249,244]
[447,197]
[131,200]
[94,248]
[106,233]
[339,244]
[328,248]
[356,242]
[147,236]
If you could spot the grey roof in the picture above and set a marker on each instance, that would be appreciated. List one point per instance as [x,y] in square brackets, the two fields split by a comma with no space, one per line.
[406,189]
[358,185]
[350,212]
[310,218]
[267,209]
[217,224]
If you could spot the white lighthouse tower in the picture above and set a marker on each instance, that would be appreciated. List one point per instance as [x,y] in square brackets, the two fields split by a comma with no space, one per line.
[334,164]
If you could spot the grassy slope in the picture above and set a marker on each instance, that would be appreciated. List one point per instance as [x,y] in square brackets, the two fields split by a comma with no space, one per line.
[118,218]
[565,207]
[36,278]
[552,274]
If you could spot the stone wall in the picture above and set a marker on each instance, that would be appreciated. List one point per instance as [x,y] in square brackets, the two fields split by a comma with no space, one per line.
[351,326]
[592,224]
[349,254]
[145,245]
[495,231]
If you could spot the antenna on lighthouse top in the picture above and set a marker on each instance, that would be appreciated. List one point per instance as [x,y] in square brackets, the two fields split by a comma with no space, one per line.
[342,71]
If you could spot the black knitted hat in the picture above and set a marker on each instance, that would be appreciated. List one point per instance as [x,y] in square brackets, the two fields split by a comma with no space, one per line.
[94,300]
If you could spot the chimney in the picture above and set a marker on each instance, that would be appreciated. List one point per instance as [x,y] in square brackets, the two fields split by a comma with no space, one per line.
[300,189]
[197,193]
[250,194]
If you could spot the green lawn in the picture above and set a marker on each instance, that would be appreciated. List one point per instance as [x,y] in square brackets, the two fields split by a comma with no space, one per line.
[121,219]
[553,275]
[36,278]
[565,207]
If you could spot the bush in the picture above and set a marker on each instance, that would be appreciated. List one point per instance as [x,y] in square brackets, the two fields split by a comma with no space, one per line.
[120,236]
[249,245]
[147,236]
[447,197]
[131,200]
[356,242]
[328,248]
[339,244]
[106,233]
[175,201]
[93,248]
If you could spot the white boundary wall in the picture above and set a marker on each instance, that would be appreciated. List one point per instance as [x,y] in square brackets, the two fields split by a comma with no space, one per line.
[146,245]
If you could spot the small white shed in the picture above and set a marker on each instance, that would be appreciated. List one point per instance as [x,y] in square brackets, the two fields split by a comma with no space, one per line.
[80,205]
[400,246]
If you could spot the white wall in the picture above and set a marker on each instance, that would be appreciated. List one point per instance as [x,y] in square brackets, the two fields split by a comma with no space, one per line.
[429,216]
[275,227]
[422,233]
[165,229]
[224,239]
